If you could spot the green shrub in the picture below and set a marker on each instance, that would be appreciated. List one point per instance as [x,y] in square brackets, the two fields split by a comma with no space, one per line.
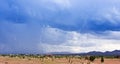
[92,58]
[102,59]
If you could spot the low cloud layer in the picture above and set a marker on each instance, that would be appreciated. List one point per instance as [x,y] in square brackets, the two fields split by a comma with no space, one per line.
[73,41]
[38,26]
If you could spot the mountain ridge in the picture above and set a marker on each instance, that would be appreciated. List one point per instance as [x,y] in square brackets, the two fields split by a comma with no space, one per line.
[93,53]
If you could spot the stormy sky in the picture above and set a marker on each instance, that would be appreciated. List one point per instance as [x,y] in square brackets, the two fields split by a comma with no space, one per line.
[43,26]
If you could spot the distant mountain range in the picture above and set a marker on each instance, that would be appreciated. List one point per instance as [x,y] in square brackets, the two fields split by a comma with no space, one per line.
[95,53]
[107,53]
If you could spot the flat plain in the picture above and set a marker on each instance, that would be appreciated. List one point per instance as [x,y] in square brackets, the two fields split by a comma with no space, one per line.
[16,60]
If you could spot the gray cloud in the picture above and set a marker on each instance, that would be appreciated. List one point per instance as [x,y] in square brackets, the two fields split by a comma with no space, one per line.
[78,42]
[45,23]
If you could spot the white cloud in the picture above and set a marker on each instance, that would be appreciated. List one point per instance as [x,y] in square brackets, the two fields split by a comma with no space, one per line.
[73,41]
[112,15]
[63,3]
[70,13]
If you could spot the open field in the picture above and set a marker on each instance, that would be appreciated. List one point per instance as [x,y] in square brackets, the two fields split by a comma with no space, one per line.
[28,60]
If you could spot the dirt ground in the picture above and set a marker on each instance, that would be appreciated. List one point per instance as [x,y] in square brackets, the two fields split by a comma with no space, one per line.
[7,60]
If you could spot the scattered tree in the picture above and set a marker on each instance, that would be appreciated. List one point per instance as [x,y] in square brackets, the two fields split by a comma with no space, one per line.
[102,59]
[92,58]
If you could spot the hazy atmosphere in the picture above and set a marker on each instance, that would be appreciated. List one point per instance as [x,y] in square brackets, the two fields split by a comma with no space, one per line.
[44,26]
